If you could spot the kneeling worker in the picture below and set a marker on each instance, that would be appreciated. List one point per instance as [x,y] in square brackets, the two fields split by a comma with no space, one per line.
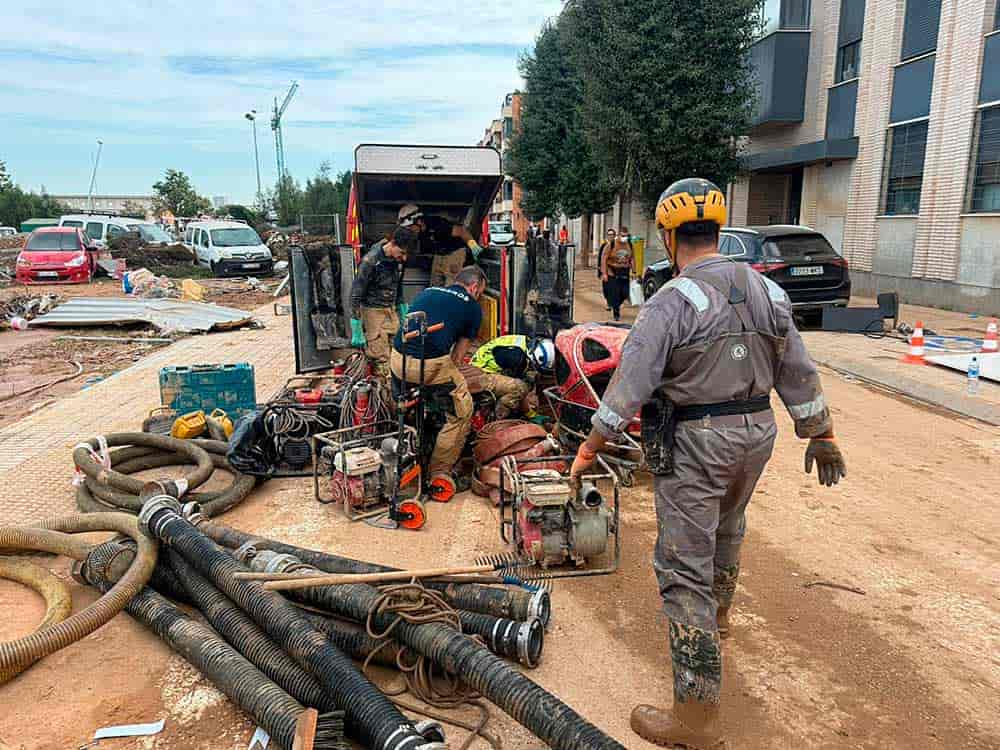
[505,364]
[377,295]
[457,308]
[714,341]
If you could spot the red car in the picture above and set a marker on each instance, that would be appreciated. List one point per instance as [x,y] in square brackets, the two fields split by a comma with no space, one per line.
[57,255]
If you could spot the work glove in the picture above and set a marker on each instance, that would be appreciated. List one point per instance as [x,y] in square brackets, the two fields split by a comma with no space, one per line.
[403,310]
[358,340]
[476,249]
[829,460]
[585,458]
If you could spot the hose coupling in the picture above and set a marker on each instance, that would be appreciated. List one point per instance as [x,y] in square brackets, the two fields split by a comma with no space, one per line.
[246,552]
[192,512]
[269,561]
[175,488]
[153,507]
[530,639]
[540,607]
[430,730]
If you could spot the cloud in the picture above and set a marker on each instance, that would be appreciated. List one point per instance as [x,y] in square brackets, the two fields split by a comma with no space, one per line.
[167,86]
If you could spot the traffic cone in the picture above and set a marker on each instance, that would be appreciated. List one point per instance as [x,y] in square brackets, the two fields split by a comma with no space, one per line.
[916,353]
[990,343]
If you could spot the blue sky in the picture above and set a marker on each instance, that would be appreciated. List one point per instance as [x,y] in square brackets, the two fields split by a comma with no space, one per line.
[166,84]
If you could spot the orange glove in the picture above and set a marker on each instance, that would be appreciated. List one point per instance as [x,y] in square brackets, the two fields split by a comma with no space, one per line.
[585,458]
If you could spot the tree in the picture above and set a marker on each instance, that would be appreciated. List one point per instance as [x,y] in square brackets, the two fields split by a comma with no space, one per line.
[16,206]
[551,156]
[324,196]
[288,201]
[240,213]
[668,87]
[175,194]
[5,182]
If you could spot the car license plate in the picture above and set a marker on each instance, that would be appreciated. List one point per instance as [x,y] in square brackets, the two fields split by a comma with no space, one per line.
[807,270]
[251,265]
[49,274]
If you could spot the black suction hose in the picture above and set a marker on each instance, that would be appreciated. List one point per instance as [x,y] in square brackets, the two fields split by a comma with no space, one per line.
[370,715]
[271,707]
[521,641]
[551,720]
[512,603]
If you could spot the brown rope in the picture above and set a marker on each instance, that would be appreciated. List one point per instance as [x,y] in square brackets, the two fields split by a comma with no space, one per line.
[412,603]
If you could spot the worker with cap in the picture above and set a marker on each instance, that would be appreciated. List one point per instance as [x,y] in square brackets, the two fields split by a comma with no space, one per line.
[449,252]
[700,362]
[377,296]
[456,308]
[508,365]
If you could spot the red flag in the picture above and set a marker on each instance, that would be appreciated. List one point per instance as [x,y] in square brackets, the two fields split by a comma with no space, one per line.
[353,223]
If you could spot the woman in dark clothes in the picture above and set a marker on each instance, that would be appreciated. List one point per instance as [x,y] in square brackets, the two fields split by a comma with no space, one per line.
[617,263]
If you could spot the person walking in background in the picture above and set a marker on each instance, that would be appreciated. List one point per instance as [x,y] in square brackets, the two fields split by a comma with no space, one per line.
[617,265]
[563,235]
[606,247]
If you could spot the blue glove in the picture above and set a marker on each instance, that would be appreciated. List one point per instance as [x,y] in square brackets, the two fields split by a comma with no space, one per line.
[358,339]
[402,308]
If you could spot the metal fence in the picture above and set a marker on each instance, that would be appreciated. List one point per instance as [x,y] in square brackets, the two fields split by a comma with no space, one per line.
[321,224]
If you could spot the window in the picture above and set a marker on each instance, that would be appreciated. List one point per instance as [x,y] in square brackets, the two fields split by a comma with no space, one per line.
[95,230]
[114,231]
[920,28]
[784,14]
[235,237]
[508,127]
[730,246]
[53,241]
[904,170]
[985,194]
[848,61]
[508,190]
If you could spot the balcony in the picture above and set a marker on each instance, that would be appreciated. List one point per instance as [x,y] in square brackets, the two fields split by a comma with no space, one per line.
[780,62]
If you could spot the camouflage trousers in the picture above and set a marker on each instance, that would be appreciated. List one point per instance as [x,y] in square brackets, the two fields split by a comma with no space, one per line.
[701,513]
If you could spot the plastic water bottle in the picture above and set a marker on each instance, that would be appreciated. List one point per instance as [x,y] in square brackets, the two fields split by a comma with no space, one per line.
[18,323]
[973,386]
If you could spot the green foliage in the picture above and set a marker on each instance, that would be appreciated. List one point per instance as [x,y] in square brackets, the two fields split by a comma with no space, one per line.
[288,201]
[240,213]
[326,195]
[16,205]
[5,182]
[174,193]
[668,88]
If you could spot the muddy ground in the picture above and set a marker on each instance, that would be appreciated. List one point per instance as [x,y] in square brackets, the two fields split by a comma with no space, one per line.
[33,357]
[911,662]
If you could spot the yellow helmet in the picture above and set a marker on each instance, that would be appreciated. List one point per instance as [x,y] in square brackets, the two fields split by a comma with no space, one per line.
[690,200]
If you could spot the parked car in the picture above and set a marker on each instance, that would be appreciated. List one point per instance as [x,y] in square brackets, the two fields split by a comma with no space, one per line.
[799,259]
[228,248]
[501,233]
[99,228]
[57,255]
[7,231]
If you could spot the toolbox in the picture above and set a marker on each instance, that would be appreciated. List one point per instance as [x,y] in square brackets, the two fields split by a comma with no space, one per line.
[229,387]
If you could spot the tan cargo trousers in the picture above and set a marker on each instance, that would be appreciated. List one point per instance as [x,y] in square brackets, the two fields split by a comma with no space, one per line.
[442,371]
[508,392]
[444,268]
[381,325]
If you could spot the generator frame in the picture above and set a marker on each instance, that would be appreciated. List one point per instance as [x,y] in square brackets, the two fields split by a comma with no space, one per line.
[363,436]
[510,531]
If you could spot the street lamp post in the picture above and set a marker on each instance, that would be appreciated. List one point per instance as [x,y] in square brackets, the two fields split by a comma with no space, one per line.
[252,117]
[93,177]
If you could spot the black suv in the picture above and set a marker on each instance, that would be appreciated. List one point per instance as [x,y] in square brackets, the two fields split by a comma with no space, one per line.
[800,260]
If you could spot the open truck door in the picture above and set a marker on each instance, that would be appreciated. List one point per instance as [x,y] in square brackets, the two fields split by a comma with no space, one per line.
[530,289]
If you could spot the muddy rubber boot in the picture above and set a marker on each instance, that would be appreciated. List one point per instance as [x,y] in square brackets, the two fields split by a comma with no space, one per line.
[722,620]
[693,721]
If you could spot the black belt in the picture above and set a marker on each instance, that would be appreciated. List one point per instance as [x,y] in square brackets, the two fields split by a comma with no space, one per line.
[698,411]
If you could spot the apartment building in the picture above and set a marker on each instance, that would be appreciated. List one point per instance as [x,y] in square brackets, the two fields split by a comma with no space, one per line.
[878,123]
[113,203]
[507,205]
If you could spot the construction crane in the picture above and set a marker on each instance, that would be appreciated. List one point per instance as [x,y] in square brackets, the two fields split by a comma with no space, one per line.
[279,146]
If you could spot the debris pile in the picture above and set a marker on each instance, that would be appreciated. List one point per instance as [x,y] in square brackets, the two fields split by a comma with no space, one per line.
[13,241]
[139,255]
[27,307]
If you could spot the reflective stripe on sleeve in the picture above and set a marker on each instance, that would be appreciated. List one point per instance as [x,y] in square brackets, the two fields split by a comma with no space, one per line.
[609,419]
[691,291]
[808,409]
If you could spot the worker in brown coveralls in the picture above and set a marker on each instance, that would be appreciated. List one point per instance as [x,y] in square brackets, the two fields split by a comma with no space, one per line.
[713,342]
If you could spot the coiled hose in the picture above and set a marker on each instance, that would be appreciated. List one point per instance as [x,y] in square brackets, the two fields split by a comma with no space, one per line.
[14,654]
[508,602]
[84,458]
[270,706]
[521,641]
[551,720]
[94,495]
[371,717]
[58,600]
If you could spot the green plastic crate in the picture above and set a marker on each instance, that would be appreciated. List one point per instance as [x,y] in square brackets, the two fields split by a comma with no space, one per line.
[228,387]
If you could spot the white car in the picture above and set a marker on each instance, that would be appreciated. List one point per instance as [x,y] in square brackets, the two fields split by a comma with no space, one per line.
[502,233]
[228,248]
[7,231]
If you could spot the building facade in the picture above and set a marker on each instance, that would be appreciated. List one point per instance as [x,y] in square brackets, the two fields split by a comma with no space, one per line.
[507,205]
[114,203]
[878,123]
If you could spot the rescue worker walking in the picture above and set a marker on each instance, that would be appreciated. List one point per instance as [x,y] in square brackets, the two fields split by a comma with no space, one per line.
[713,342]
[506,363]
[377,296]
[457,308]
